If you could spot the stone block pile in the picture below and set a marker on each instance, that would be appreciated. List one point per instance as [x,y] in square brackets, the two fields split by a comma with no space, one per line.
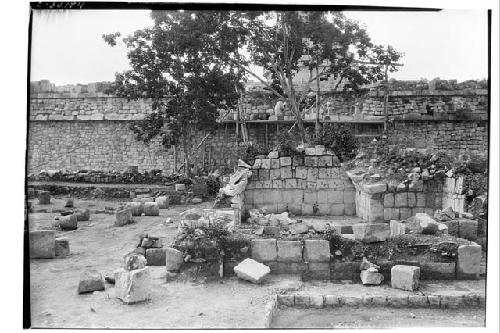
[309,184]
[133,281]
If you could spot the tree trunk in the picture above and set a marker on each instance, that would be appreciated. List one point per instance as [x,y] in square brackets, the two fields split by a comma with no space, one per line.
[187,165]
[296,110]
[317,125]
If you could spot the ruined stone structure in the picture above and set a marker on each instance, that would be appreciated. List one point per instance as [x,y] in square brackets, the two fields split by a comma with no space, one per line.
[80,127]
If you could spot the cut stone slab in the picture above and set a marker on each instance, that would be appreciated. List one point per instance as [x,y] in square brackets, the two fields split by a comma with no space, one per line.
[133,286]
[82,214]
[62,247]
[316,250]
[289,251]
[155,257]
[264,249]
[371,277]
[42,244]
[123,217]
[90,280]
[134,261]
[136,207]
[173,259]
[469,261]
[371,232]
[251,270]
[68,222]
[163,202]
[44,198]
[151,209]
[405,277]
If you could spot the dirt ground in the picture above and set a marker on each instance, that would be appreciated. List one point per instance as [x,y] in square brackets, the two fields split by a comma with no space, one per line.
[97,244]
[378,318]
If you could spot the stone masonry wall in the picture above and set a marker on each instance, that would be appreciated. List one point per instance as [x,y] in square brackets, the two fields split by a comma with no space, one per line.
[313,184]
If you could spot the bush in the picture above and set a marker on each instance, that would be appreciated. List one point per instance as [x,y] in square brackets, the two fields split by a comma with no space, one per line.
[339,138]
[287,143]
[248,151]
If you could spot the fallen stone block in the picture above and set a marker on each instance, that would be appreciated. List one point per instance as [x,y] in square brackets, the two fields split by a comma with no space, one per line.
[155,257]
[371,232]
[405,277]
[123,217]
[251,270]
[429,226]
[133,286]
[173,259]
[264,249]
[134,261]
[289,251]
[397,228]
[90,280]
[469,261]
[42,244]
[180,187]
[68,222]
[62,247]
[44,198]
[316,250]
[82,214]
[371,277]
[151,209]
[136,207]
[69,203]
[163,202]
[298,228]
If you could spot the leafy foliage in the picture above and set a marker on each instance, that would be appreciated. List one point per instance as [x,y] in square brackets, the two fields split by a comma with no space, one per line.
[287,143]
[337,137]
[248,151]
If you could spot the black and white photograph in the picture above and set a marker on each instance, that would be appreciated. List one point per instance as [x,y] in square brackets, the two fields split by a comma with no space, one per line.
[249,165]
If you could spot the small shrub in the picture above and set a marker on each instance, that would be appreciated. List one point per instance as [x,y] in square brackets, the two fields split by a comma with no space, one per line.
[287,143]
[248,151]
[339,138]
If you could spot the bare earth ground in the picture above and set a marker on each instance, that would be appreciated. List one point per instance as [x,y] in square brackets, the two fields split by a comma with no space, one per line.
[377,318]
[97,244]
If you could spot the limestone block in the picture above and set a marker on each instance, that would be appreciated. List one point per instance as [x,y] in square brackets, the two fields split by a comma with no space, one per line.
[180,187]
[307,209]
[350,209]
[264,174]
[70,203]
[133,286]
[467,229]
[397,228]
[437,270]
[317,301]
[375,188]
[266,163]
[275,163]
[257,164]
[151,209]
[401,199]
[302,300]
[173,259]
[137,208]
[404,213]
[163,202]
[301,172]
[62,247]
[427,225]
[336,209]
[371,232]
[325,161]
[420,196]
[298,160]
[316,250]
[123,217]
[134,261]
[349,196]
[469,261]
[389,200]
[418,301]
[311,161]
[286,172]
[312,186]
[285,161]
[335,197]
[371,277]
[325,173]
[68,222]
[251,270]
[82,214]
[290,183]
[332,301]
[310,197]
[264,249]
[289,251]
[405,277]
[42,244]
[44,198]
[391,214]
[90,280]
[412,199]
[312,174]
[298,228]
[274,174]
[155,257]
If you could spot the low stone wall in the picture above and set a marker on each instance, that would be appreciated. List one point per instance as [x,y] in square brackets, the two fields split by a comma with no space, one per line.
[302,185]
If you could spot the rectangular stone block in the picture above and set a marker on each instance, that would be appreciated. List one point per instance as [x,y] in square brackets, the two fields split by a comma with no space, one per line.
[404,213]
[266,163]
[42,244]
[316,251]
[324,173]
[418,301]
[252,271]
[401,199]
[405,277]
[350,209]
[469,261]
[336,209]
[335,197]
[420,199]
[310,197]
[371,232]
[437,270]
[412,199]
[264,250]
[275,163]
[332,301]
[296,268]
[277,184]
[286,300]
[301,172]
[467,229]
[397,301]
[286,172]
[156,257]
[302,300]
[289,251]
[311,161]
[397,228]
[133,286]
[317,271]
[325,161]
[298,160]
[307,209]
[274,174]
[290,183]
[312,174]
[391,214]
[264,174]
[349,196]
[285,161]
[388,200]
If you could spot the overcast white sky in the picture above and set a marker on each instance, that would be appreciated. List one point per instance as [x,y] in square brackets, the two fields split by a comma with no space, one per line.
[67,46]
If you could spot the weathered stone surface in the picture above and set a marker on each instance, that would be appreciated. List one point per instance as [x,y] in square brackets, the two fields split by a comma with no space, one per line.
[136,207]
[332,301]
[397,228]
[173,259]
[316,250]
[196,200]
[69,203]
[133,286]
[155,257]
[405,277]
[467,229]
[123,217]
[299,228]
[418,301]
[286,300]
[371,277]
[317,301]
[365,265]
[302,300]
[163,202]
[44,198]
[68,222]
[62,247]
[375,188]
[289,251]
[90,280]
[264,249]
[428,225]
[134,261]
[469,261]
[180,187]
[82,214]
[397,301]
[151,209]
[371,232]
[437,270]
[42,244]
[251,270]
